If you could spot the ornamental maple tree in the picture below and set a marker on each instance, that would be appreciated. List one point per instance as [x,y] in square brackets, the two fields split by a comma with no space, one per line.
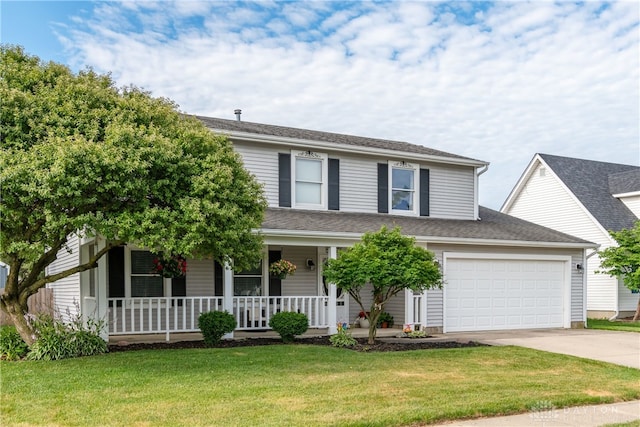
[387,261]
[79,155]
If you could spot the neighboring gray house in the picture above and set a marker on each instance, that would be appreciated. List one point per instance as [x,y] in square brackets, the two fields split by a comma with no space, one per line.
[587,199]
[324,191]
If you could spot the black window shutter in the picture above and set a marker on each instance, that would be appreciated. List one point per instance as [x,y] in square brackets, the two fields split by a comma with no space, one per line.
[383,188]
[275,283]
[218,277]
[116,273]
[424,192]
[334,184]
[284,180]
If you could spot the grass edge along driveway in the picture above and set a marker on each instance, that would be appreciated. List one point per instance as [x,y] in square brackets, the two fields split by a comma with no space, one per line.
[302,385]
[614,325]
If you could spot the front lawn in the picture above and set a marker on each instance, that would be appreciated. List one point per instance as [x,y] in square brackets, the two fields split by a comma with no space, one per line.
[302,385]
[615,325]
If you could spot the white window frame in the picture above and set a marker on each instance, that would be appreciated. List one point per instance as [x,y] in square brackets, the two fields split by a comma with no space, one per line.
[416,187]
[324,192]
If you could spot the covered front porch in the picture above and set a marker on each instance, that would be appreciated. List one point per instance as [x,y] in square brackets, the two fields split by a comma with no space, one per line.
[134,300]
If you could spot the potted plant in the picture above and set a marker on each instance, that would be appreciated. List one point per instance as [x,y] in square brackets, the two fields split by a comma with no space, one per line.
[385,320]
[282,268]
[363,319]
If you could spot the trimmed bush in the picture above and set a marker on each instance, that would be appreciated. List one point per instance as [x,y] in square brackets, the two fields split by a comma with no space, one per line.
[215,324]
[288,324]
[12,346]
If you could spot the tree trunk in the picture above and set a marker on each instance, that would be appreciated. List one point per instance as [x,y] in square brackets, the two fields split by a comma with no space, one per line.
[374,314]
[637,315]
[17,313]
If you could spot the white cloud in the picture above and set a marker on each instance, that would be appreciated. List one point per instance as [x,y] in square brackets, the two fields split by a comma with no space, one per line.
[498,84]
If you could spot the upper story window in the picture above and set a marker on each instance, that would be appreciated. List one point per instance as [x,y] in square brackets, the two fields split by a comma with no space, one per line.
[310,177]
[403,188]
[308,180]
[403,185]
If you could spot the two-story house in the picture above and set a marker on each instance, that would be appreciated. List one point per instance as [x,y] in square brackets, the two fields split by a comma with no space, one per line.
[324,191]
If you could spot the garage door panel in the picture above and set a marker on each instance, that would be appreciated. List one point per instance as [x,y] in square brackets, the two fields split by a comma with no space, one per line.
[486,294]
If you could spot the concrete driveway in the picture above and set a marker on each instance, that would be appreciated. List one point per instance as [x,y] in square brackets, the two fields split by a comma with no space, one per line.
[621,348]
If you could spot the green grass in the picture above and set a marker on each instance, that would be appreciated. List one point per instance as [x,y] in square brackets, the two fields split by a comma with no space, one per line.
[616,325]
[302,385]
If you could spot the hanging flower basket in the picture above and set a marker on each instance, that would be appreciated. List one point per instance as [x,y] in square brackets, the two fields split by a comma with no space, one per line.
[282,268]
[171,267]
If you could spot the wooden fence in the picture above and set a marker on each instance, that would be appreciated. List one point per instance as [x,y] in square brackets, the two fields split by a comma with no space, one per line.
[42,302]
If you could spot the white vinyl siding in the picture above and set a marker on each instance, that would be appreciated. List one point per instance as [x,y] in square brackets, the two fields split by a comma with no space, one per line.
[304,281]
[262,162]
[633,203]
[358,185]
[452,192]
[66,291]
[628,300]
[545,201]
[200,277]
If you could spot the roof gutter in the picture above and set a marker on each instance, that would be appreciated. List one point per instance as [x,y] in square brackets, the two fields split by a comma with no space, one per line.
[349,236]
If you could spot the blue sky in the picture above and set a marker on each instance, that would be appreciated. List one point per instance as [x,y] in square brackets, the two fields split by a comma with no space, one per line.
[496,81]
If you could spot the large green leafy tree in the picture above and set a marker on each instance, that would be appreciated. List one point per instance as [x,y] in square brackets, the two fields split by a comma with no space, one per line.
[623,261]
[82,156]
[387,261]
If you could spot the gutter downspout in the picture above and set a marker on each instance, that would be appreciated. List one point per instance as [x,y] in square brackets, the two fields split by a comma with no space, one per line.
[477,185]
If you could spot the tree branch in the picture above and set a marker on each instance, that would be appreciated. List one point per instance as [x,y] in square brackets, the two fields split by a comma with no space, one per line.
[93,262]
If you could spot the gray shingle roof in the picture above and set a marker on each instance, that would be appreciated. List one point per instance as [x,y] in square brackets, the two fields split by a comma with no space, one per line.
[625,182]
[589,181]
[312,135]
[492,226]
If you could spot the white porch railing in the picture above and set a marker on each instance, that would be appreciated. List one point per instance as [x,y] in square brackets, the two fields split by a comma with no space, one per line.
[255,312]
[158,315]
[133,316]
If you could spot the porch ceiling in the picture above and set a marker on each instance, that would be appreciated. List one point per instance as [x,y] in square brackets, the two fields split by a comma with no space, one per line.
[493,226]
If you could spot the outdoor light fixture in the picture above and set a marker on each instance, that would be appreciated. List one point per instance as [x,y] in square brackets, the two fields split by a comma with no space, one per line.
[310,264]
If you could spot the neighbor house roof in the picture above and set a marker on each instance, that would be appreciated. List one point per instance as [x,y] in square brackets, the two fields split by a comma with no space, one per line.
[625,182]
[590,181]
[492,227]
[237,128]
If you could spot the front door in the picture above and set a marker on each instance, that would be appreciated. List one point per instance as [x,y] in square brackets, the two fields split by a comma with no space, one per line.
[342,302]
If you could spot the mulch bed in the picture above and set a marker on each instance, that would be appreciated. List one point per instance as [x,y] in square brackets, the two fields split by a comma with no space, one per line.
[381,345]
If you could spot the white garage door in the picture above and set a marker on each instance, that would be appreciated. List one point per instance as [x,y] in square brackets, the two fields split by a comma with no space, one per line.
[493,294]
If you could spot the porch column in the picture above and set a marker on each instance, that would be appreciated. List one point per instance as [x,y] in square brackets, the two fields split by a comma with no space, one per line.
[102,295]
[333,296]
[408,304]
[423,310]
[227,283]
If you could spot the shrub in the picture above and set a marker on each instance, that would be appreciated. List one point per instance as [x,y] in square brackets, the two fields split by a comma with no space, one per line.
[56,339]
[214,324]
[343,338]
[289,324]
[12,346]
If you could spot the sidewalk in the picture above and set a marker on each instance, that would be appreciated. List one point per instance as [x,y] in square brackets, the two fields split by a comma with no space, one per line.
[578,416]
